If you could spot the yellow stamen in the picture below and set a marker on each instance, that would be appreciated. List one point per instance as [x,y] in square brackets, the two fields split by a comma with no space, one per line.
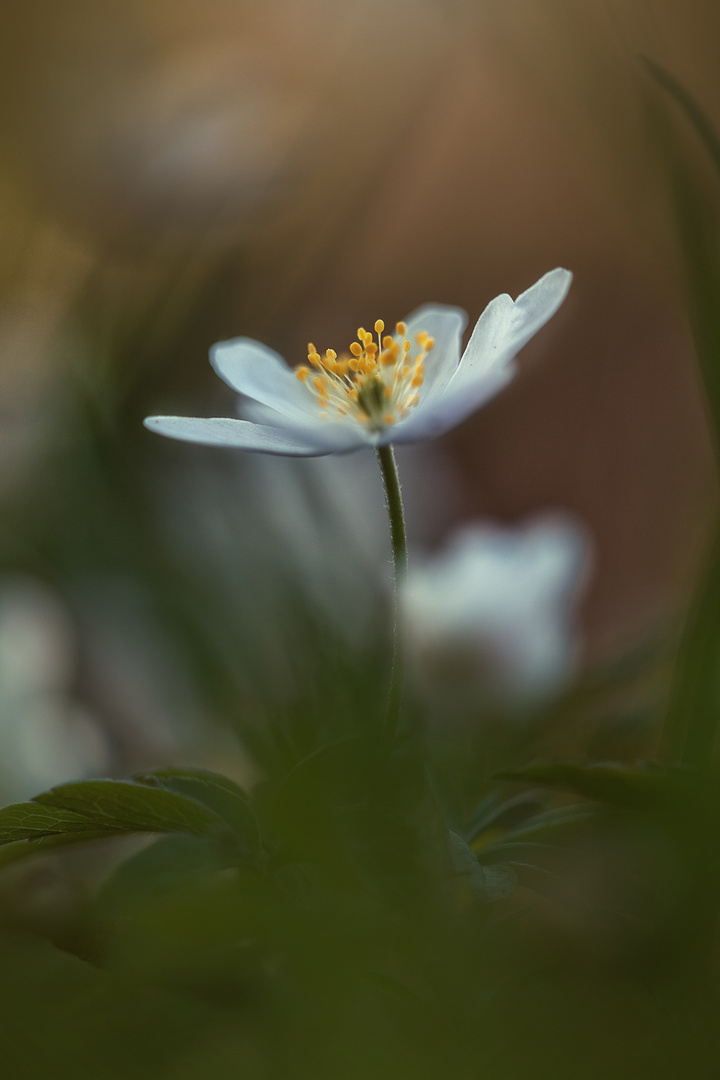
[374,381]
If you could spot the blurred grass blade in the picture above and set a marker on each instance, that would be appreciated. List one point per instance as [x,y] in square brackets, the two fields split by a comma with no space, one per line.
[693,714]
[689,106]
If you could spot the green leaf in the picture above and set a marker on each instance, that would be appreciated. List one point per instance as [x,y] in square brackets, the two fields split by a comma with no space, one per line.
[32,821]
[131,807]
[487,882]
[221,795]
[492,812]
[549,824]
[619,785]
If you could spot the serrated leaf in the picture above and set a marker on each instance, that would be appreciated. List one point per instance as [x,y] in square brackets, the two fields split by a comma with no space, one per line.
[131,807]
[220,794]
[32,821]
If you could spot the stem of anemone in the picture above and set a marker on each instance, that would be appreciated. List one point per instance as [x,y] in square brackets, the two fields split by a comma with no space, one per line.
[393,498]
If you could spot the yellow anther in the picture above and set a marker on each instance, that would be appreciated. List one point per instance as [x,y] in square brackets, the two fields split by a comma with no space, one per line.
[354,385]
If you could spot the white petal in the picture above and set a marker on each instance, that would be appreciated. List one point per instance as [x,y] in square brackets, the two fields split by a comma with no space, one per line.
[486,365]
[245,435]
[261,374]
[448,409]
[505,326]
[446,325]
[341,434]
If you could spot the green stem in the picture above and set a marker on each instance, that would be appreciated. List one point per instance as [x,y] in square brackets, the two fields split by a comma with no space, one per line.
[393,498]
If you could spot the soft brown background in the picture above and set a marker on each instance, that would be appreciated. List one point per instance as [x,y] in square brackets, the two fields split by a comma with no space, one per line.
[295,167]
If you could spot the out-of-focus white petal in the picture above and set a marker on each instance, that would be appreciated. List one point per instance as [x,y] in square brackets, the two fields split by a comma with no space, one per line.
[261,374]
[496,607]
[246,435]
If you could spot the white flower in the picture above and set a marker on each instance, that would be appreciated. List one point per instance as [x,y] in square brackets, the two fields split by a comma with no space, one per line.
[407,386]
[494,612]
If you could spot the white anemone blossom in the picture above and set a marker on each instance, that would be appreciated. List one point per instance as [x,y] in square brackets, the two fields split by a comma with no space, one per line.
[398,387]
[494,612]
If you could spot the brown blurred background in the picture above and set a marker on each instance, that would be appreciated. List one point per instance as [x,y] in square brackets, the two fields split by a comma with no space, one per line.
[175,173]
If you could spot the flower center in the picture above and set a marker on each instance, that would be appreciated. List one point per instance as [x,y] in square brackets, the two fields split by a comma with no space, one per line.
[376,383]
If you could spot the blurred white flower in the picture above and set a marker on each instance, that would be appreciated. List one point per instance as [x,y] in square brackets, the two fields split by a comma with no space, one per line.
[494,613]
[405,387]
